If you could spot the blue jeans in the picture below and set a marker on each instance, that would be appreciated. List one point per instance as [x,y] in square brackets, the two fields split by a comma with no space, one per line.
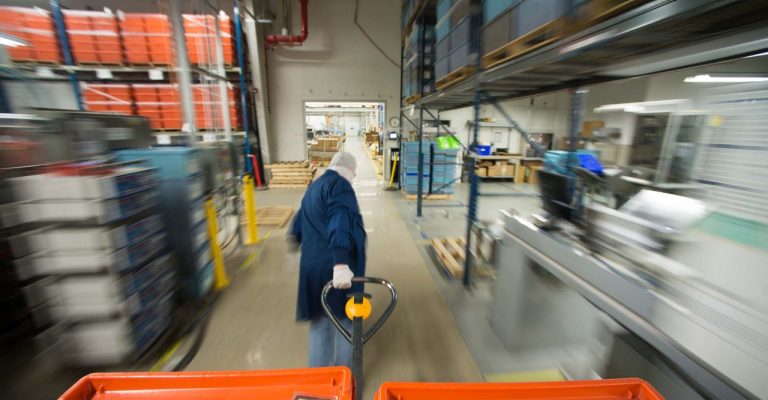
[327,346]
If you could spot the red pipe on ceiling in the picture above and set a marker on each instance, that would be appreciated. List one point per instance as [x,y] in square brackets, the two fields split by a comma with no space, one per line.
[293,39]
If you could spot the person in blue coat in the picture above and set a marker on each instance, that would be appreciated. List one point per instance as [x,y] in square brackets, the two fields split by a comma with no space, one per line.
[329,228]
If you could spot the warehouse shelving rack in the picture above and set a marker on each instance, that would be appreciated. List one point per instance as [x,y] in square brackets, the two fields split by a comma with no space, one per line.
[182,73]
[656,36]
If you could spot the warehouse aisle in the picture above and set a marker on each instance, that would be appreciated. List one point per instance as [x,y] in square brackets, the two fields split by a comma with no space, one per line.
[253,325]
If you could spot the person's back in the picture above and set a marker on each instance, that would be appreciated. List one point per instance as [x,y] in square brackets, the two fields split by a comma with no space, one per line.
[330,229]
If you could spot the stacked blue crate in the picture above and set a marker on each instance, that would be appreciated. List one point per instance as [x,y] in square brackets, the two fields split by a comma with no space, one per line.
[410,167]
[181,203]
[443,170]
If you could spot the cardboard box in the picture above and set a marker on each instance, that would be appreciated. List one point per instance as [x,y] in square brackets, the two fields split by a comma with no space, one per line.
[587,127]
[532,174]
[502,168]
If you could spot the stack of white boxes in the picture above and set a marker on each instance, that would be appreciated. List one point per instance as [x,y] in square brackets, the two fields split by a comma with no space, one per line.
[96,260]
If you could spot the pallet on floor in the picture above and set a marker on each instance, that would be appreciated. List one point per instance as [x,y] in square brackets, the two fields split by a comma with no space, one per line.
[435,196]
[295,173]
[543,35]
[289,181]
[450,252]
[454,77]
[275,215]
[287,186]
[288,165]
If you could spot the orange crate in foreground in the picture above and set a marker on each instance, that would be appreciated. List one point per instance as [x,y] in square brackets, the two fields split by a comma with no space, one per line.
[334,382]
[608,389]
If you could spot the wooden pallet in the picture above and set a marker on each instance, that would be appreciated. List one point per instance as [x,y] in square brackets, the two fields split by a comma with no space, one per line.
[297,172]
[595,11]
[277,215]
[454,77]
[288,165]
[42,63]
[535,39]
[100,64]
[412,99]
[287,186]
[147,65]
[289,181]
[450,252]
[429,196]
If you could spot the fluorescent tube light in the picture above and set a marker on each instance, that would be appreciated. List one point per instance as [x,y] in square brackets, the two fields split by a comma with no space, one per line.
[724,79]
[12,41]
[644,106]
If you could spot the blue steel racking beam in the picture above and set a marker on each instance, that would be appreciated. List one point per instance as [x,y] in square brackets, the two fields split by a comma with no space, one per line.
[243,88]
[475,52]
[66,51]
[420,80]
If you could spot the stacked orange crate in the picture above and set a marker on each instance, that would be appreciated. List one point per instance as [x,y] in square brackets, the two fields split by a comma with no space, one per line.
[147,38]
[148,104]
[35,26]
[170,106]
[93,37]
[200,34]
[113,98]
[207,102]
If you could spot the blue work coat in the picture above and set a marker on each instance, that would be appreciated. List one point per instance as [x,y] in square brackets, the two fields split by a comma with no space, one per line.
[330,229]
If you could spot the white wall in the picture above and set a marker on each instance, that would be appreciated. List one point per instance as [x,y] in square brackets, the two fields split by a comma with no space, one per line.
[335,63]
[546,113]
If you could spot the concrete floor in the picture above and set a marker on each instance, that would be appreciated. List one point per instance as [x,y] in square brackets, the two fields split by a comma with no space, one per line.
[253,325]
[439,331]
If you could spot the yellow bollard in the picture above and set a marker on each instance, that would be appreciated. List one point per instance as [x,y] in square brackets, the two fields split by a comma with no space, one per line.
[220,279]
[250,211]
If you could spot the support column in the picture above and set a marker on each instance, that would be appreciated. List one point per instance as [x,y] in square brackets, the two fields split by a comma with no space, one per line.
[183,72]
[475,53]
[226,122]
[258,59]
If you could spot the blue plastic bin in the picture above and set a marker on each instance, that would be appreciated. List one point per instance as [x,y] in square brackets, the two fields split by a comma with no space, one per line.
[483,150]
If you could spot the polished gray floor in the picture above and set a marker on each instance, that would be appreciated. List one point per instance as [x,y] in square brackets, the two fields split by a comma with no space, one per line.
[253,325]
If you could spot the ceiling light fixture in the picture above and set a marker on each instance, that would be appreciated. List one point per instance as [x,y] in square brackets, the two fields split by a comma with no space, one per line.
[12,41]
[705,78]
[644,106]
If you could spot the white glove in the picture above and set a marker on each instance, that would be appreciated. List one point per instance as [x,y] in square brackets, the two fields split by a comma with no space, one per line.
[342,276]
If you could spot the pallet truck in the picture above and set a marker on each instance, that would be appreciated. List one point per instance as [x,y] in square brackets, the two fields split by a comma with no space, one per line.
[358,309]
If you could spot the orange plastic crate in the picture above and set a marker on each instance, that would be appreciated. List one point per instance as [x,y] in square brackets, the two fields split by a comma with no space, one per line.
[200,34]
[116,98]
[94,37]
[334,382]
[608,389]
[147,38]
[36,27]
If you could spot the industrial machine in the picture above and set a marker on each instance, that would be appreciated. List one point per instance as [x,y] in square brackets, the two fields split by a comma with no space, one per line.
[617,280]
[665,149]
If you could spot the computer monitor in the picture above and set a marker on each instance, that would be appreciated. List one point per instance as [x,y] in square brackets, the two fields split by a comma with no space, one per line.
[555,194]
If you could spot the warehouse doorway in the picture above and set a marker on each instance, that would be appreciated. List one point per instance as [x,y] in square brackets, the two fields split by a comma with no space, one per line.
[328,123]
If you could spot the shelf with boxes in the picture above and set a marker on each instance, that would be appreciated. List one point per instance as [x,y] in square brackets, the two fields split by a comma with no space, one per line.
[160,103]
[536,46]
[181,202]
[321,149]
[106,38]
[90,249]
[439,174]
